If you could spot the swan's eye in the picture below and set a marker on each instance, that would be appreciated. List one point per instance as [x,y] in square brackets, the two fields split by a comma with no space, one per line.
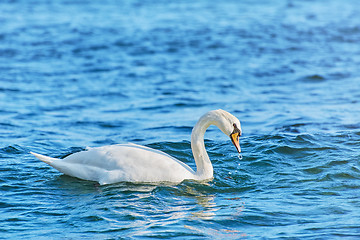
[236,129]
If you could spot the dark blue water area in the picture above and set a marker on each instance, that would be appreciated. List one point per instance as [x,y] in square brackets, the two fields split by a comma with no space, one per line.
[91,73]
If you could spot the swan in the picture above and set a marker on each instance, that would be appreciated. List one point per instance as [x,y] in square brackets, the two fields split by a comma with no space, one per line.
[136,163]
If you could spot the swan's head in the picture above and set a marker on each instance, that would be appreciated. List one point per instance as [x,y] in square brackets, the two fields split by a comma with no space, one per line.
[229,125]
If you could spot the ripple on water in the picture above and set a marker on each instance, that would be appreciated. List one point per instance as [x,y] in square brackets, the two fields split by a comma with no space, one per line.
[143,72]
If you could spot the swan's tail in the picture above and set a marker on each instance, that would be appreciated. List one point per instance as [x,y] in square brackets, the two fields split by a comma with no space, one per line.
[43,158]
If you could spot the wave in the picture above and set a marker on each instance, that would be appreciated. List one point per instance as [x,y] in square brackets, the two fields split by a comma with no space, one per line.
[13,150]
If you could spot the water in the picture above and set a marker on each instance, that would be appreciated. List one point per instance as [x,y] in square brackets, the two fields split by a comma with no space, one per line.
[92,73]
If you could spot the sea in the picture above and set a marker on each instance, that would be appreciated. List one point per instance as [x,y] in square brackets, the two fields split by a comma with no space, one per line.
[88,73]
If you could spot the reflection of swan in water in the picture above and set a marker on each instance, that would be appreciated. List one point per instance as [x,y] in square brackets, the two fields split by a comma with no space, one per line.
[212,208]
[135,163]
[206,203]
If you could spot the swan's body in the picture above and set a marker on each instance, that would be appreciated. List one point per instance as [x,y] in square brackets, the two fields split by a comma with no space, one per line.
[135,163]
[123,162]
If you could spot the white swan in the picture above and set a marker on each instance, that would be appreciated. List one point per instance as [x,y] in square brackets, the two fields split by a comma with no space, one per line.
[135,163]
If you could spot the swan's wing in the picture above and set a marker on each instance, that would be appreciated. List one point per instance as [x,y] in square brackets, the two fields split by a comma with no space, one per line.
[155,151]
[124,162]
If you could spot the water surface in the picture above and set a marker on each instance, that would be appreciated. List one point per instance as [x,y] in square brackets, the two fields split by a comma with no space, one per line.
[87,73]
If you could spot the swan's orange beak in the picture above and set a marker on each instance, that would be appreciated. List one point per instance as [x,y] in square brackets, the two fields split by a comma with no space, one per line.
[235,140]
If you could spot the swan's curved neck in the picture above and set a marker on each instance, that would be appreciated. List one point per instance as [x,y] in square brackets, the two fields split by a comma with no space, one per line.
[204,168]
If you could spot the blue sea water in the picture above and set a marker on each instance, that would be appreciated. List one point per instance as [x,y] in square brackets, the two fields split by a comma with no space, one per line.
[90,73]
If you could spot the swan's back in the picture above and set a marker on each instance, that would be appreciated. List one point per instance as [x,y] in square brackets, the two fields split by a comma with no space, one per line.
[123,162]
